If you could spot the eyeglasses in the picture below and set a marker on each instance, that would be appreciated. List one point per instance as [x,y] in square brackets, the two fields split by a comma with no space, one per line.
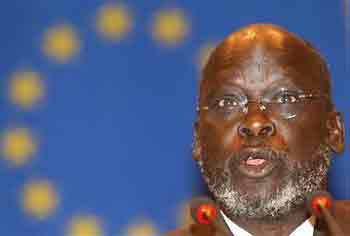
[286,103]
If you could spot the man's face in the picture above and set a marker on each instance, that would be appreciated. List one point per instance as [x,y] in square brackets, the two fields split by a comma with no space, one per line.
[261,159]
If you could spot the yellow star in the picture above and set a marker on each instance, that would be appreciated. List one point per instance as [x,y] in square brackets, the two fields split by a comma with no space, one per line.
[84,225]
[39,198]
[170,26]
[26,89]
[204,53]
[17,146]
[61,43]
[113,21]
[141,228]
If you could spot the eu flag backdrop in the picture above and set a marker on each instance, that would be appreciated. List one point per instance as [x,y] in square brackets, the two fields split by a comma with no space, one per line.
[98,102]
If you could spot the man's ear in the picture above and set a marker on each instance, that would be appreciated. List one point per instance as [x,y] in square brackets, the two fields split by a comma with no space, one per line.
[335,127]
[196,147]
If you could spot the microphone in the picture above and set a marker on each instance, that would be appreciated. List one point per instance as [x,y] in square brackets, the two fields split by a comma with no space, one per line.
[204,211]
[321,204]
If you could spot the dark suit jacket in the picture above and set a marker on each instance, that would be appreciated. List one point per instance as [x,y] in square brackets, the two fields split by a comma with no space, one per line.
[341,213]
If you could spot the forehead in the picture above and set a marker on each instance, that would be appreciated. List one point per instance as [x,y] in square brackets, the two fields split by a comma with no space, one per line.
[256,59]
[259,69]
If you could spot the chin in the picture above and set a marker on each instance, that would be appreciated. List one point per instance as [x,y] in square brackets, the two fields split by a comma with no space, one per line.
[267,198]
[260,205]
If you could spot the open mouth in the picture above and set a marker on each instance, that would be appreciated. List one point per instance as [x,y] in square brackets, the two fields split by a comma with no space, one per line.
[257,162]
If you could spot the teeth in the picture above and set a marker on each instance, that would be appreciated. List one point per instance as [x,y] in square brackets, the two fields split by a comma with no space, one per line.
[250,158]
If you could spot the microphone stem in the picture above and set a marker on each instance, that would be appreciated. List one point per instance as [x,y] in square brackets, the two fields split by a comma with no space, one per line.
[333,226]
[220,228]
[215,223]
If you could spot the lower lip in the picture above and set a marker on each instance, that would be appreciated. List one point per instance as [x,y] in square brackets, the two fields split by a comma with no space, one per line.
[257,171]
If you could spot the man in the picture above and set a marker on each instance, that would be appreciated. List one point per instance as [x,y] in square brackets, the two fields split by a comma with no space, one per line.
[265,132]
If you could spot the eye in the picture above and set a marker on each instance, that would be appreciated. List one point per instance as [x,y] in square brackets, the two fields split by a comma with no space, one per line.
[227,103]
[287,98]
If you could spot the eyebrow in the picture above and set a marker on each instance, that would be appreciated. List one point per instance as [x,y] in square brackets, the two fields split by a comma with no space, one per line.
[287,72]
[228,88]
[280,83]
[224,90]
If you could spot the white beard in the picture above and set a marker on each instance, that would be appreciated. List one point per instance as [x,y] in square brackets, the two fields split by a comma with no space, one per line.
[303,179]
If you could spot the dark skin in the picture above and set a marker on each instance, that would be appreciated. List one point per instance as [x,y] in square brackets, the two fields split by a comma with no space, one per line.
[266,61]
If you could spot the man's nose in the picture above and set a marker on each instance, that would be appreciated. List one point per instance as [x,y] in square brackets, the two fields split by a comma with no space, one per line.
[256,123]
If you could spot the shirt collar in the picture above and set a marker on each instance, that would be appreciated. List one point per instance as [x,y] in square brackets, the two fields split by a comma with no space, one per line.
[305,229]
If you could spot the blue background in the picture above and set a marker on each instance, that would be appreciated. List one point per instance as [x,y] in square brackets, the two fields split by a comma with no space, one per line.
[115,128]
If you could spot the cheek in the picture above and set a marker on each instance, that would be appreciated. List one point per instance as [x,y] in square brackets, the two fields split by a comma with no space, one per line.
[305,135]
[218,139]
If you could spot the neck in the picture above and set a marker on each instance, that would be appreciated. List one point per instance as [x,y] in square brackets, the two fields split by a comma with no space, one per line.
[282,226]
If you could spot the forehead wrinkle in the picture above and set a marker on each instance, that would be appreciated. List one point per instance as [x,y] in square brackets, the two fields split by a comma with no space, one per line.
[260,73]
[256,58]
[288,54]
[255,68]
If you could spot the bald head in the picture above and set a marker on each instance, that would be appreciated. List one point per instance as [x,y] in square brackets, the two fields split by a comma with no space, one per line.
[259,51]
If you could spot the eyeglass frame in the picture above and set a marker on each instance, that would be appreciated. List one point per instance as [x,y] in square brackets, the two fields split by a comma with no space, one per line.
[264,104]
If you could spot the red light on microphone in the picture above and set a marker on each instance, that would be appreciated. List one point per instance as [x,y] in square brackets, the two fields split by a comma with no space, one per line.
[321,201]
[320,204]
[206,213]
